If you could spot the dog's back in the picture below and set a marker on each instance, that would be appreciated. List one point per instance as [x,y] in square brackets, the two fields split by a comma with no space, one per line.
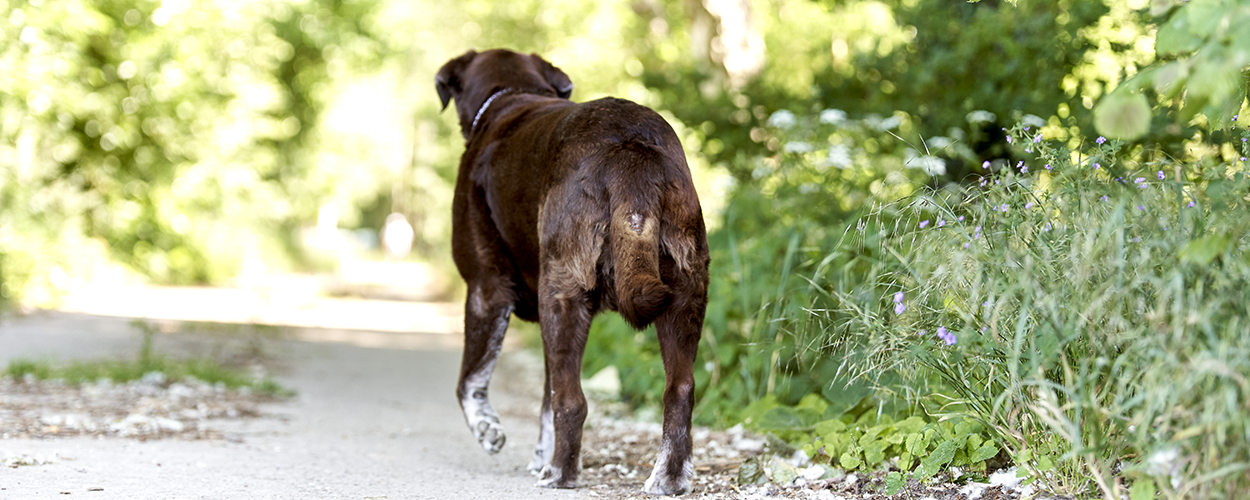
[592,180]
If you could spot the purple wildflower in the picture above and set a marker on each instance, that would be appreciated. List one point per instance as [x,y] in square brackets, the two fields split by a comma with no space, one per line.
[987,303]
[1047,166]
[1028,205]
[1097,166]
[1004,208]
[1191,203]
[1101,139]
[947,337]
[941,222]
[1139,180]
[1008,139]
[965,245]
[961,218]
[1037,139]
[921,333]
[1141,208]
[985,164]
[899,308]
[1104,198]
[924,223]
[898,298]
[1160,175]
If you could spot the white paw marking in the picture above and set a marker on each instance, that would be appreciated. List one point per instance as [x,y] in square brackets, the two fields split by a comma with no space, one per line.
[549,477]
[546,442]
[661,484]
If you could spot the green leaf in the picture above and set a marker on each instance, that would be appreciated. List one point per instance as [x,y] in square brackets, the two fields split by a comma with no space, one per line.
[780,418]
[1123,115]
[942,455]
[894,483]
[1203,250]
[918,443]
[830,426]
[905,461]
[874,453]
[781,472]
[1170,79]
[850,459]
[910,425]
[1176,36]
[750,472]
[983,453]
[1143,489]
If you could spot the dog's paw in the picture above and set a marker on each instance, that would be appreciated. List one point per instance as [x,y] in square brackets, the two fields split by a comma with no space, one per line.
[489,434]
[663,484]
[538,462]
[553,477]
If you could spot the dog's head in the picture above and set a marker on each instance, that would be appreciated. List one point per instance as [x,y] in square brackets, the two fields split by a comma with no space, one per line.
[473,77]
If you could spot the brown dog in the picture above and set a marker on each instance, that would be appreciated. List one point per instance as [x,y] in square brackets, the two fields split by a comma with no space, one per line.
[563,210]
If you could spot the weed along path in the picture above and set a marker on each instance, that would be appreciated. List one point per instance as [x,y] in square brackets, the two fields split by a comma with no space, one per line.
[377,420]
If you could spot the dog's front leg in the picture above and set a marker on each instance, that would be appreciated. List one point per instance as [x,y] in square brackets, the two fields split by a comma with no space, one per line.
[565,322]
[546,428]
[485,322]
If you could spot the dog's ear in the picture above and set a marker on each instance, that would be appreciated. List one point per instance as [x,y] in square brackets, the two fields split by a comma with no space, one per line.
[447,81]
[556,78]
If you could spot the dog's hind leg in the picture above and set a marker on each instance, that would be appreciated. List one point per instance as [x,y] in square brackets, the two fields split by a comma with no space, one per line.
[678,330]
[486,315]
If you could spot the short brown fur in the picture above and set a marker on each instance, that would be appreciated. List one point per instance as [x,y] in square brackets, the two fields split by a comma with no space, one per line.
[563,210]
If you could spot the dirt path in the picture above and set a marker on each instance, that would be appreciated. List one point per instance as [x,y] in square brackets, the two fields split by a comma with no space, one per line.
[368,423]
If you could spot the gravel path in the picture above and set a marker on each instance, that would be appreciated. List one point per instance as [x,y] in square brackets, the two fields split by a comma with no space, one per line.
[375,417]
[367,423]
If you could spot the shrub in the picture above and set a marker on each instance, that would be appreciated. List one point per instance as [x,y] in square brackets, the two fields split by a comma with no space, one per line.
[1091,298]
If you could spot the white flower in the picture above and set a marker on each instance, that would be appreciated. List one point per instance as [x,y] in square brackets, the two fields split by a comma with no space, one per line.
[798,147]
[981,115]
[783,119]
[889,123]
[833,116]
[839,156]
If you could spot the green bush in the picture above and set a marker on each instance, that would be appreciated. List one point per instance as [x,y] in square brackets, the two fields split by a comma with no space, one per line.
[1084,296]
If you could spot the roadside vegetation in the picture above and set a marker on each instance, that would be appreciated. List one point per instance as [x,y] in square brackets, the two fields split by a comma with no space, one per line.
[147,362]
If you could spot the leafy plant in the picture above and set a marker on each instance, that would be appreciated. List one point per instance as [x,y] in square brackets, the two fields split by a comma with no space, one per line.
[1094,297]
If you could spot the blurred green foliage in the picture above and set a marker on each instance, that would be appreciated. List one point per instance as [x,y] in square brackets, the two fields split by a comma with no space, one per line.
[162,134]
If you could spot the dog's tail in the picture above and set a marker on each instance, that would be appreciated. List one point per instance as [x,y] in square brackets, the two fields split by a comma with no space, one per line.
[635,188]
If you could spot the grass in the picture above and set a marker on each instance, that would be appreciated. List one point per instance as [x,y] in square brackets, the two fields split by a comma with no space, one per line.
[206,370]
[1093,314]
